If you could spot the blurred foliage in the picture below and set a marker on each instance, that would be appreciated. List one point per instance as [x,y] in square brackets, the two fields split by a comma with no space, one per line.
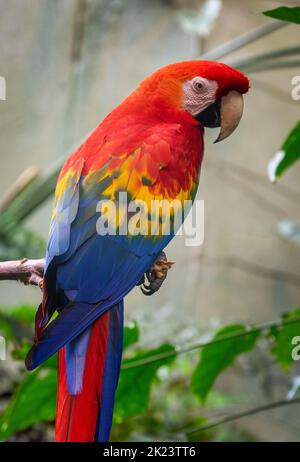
[23,411]
[20,242]
[285,13]
[23,314]
[151,381]
[16,322]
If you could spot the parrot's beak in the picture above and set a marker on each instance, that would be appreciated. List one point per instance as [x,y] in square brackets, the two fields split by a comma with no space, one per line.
[231,112]
[225,113]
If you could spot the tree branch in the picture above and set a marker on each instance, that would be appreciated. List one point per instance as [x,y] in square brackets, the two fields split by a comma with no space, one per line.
[25,271]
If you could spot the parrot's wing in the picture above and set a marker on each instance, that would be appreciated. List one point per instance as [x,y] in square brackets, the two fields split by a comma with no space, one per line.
[93,271]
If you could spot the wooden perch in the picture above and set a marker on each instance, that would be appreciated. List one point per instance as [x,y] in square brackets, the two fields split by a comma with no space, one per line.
[32,272]
[25,271]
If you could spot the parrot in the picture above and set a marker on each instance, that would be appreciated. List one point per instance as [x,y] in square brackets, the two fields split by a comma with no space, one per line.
[150,147]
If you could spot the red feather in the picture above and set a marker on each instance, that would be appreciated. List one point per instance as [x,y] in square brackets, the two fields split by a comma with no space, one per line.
[76,415]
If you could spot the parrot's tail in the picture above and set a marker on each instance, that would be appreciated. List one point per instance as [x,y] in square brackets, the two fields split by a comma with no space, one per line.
[88,373]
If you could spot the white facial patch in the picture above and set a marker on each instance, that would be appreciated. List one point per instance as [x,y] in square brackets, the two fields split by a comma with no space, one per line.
[198,94]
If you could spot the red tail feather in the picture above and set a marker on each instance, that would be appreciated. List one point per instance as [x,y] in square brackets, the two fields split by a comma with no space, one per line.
[76,415]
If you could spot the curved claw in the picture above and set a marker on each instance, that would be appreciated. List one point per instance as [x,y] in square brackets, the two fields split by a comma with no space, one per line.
[156,275]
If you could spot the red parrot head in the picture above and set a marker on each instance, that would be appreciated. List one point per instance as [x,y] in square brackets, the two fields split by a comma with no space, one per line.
[210,92]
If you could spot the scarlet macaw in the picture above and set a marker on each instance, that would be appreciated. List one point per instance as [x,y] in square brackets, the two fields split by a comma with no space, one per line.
[150,146]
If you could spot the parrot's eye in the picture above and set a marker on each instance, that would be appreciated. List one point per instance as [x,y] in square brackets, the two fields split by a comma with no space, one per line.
[198,94]
[198,84]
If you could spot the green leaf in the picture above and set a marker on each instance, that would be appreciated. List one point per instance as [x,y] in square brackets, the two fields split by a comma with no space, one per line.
[131,335]
[217,357]
[287,156]
[283,339]
[285,13]
[34,401]
[134,387]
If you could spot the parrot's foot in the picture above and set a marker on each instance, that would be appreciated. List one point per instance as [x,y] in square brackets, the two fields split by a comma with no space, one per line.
[30,272]
[156,275]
